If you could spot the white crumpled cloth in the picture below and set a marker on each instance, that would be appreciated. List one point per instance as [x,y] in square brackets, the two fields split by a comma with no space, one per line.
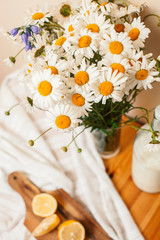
[82,175]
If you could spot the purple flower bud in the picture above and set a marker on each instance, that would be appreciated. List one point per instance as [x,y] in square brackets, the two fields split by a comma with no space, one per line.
[28,47]
[14,31]
[36,29]
[24,38]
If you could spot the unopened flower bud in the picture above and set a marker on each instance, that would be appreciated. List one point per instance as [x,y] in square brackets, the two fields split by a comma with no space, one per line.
[31,142]
[12,59]
[7,113]
[79,150]
[65,10]
[65,149]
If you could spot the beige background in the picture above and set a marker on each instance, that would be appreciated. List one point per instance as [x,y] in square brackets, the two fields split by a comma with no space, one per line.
[11,15]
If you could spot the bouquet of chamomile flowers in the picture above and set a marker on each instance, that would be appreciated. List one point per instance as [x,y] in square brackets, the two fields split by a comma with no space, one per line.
[85,65]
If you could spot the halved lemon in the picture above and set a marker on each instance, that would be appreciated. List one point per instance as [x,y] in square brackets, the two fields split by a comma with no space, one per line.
[71,229]
[44,205]
[46,226]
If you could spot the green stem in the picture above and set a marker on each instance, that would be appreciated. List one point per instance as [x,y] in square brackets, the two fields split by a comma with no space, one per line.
[74,140]
[40,108]
[149,122]
[123,3]
[42,134]
[135,127]
[19,52]
[57,25]
[115,106]
[151,14]
[75,137]
[98,114]
[8,112]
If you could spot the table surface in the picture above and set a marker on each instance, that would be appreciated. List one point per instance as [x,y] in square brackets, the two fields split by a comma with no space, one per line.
[144,207]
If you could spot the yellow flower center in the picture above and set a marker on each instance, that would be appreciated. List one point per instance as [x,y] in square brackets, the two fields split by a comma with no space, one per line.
[106,88]
[142,74]
[81,77]
[37,16]
[134,33]
[70,29]
[87,13]
[53,70]
[103,4]
[84,41]
[117,66]
[78,100]
[116,47]
[119,28]
[44,88]
[93,27]
[63,121]
[140,59]
[60,41]
[29,71]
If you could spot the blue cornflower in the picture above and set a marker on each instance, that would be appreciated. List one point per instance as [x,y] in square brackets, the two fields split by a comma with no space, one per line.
[14,31]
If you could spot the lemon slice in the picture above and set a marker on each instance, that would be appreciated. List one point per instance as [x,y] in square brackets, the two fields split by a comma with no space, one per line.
[47,225]
[44,205]
[71,230]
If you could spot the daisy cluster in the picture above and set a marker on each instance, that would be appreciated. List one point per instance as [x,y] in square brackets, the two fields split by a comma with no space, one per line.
[76,60]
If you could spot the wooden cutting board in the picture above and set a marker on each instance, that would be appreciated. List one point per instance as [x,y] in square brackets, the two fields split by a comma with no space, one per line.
[68,208]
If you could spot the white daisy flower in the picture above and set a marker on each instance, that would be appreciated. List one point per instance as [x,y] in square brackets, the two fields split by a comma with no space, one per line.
[54,49]
[82,101]
[82,44]
[27,104]
[152,147]
[33,63]
[88,7]
[10,61]
[142,74]
[64,9]
[110,85]
[137,32]
[119,25]
[134,56]
[63,117]
[149,144]
[45,88]
[57,66]
[37,16]
[133,9]
[115,44]
[41,40]
[85,75]
[40,43]
[117,62]
[58,44]
[70,83]
[118,12]
[158,58]
[107,7]
[97,23]
[71,25]
[51,62]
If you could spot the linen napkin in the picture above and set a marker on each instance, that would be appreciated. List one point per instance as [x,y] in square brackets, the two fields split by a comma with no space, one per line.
[82,175]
